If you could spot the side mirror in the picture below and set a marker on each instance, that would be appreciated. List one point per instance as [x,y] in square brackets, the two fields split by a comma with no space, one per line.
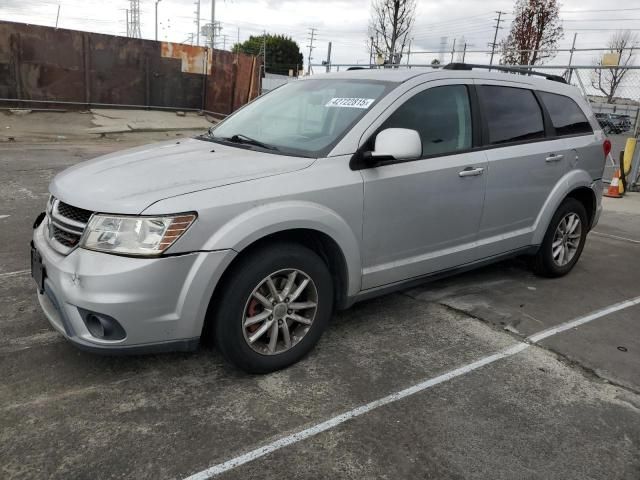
[397,144]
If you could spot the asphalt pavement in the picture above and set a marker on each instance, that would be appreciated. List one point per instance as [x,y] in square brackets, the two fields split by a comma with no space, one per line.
[444,381]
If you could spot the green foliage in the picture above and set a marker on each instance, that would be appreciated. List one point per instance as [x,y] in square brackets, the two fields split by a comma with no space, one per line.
[282,52]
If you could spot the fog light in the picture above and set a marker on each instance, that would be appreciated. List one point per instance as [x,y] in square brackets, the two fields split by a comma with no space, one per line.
[94,325]
[102,326]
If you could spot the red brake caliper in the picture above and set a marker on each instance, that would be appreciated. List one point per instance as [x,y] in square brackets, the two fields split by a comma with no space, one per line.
[252,310]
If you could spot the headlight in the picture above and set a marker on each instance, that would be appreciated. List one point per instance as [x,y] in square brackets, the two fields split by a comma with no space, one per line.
[134,235]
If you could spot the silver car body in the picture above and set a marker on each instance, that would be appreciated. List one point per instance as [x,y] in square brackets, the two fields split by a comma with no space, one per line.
[392,224]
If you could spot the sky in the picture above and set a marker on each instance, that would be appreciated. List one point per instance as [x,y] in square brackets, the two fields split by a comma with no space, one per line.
[344,23]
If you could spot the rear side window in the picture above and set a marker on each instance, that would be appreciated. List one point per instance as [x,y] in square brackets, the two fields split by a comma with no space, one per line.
[566,116]
[512,114]
[442,117]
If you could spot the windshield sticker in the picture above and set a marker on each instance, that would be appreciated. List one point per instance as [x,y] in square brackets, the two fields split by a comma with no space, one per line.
[350,102]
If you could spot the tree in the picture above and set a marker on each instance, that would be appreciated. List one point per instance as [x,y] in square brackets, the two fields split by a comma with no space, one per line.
[282,53]
[389,28]
[607,80]
[534,34]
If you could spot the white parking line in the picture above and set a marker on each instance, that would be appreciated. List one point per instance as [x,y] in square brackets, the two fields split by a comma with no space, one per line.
[615,237]
[4,216]
[13,274]
[582,320]
[394,397]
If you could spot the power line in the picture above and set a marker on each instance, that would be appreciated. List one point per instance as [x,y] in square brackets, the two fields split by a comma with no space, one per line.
[603,10]
[603,20]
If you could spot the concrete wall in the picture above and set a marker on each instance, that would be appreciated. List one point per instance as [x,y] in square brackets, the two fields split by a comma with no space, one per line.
[59,65]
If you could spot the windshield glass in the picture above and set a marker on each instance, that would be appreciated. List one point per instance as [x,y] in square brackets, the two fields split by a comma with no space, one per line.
[305,117]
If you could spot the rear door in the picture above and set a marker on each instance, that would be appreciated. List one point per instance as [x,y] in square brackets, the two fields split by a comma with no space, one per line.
[524,165]
[569,122]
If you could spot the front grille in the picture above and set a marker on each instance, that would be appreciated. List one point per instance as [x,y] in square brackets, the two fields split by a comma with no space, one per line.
[67,239]
[74,213]
[66,225]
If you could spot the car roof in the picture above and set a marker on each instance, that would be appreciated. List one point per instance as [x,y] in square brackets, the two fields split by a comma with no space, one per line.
[401,75]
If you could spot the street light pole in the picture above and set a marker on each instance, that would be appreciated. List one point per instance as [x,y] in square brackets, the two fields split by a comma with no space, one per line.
[157,2]
[213,24]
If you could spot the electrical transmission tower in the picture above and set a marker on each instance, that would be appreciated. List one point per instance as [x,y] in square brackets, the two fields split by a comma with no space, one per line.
[312,37]
[493,44]
[133,28]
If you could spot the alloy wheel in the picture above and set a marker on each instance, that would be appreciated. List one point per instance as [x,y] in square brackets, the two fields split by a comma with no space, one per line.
[566,239]
[280,311]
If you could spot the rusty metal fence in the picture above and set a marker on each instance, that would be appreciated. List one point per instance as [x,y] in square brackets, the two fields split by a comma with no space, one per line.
[43,67]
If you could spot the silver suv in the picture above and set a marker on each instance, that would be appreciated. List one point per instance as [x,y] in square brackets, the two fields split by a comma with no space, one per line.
[322,193]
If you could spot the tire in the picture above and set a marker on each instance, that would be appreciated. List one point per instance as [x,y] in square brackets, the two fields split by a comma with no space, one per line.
[238,303]
[543,262]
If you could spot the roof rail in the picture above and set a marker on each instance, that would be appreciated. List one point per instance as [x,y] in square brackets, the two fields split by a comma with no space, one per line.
[500,68]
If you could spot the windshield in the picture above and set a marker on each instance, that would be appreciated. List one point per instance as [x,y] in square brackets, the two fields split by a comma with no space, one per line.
[305,117]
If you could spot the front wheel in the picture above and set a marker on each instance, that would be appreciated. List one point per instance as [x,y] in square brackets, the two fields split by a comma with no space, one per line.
[273,308]
[564,240]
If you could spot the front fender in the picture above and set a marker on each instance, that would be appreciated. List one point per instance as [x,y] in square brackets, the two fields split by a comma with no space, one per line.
[263,220]
[569,182]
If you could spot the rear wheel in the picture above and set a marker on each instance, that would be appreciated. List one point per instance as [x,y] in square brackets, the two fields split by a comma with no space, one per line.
[564,240]
[273,308]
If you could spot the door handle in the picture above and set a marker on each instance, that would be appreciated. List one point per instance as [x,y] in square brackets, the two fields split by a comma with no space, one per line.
[554,158]
[471,172]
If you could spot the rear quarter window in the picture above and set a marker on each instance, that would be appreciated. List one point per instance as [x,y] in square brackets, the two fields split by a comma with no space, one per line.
[566,116]
[511,114]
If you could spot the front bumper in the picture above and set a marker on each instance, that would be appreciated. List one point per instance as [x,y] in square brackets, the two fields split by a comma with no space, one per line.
[161,303]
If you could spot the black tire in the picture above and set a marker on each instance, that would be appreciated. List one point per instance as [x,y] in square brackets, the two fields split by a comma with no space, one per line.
[542,262]
[232,300]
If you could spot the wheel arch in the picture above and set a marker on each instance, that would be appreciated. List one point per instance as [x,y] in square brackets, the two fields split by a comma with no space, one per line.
[321,243]
[312,225]
[576,184]
[587,198]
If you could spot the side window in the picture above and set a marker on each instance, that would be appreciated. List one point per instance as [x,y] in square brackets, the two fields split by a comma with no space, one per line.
[442,117]
[512,114]
[566,116]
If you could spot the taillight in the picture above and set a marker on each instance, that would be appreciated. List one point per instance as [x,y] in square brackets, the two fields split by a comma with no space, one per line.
[606,146]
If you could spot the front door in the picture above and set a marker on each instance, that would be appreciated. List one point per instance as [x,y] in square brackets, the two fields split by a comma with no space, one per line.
[422,216]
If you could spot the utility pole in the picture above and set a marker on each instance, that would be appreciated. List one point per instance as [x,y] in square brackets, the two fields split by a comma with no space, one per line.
[409,51]
[224,40]
[213,24]
[464,51]
[58,16]
[157,2]
[238,48]
[573,47]
[128,29]
[264,52]
[328,62]
[197,21]
[371,53]
[493,44]
[312,37]
[453,50]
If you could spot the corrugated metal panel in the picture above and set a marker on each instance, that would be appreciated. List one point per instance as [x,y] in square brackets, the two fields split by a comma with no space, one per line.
[194,59]
[43,63]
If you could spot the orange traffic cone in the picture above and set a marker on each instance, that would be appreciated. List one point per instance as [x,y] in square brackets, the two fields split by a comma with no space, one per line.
[614,187]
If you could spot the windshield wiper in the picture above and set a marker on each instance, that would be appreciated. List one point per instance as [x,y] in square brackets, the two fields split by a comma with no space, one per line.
[240,138]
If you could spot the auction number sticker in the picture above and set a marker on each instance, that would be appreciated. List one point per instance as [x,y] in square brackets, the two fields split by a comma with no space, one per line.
[350,102]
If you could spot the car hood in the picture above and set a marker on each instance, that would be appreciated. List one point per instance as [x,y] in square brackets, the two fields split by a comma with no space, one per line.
[129,181]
